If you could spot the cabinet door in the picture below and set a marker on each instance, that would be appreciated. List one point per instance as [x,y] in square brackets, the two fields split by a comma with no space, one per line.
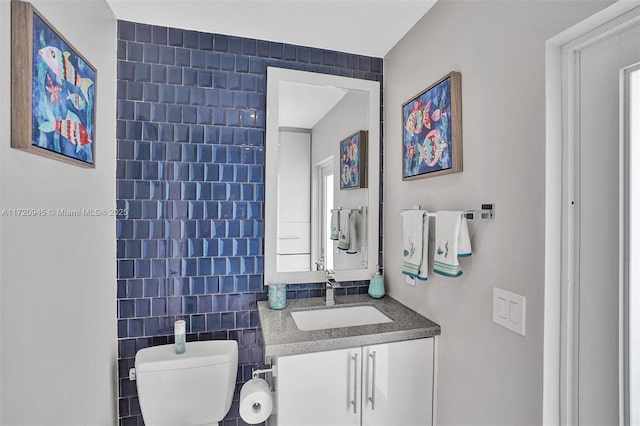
[322,388]
[398,384]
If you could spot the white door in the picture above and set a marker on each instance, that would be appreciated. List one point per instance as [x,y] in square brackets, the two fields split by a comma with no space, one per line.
[398,384]
[596,213]
[320,389]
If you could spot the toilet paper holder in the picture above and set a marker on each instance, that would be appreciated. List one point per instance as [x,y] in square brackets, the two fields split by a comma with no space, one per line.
[264,370]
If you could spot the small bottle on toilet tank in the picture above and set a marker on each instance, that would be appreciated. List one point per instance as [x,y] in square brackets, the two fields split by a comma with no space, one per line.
[179,329]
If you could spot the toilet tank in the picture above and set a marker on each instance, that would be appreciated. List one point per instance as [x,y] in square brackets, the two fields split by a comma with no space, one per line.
[194,388]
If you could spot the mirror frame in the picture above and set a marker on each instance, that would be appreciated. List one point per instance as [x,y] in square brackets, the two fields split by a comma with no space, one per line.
[274,77]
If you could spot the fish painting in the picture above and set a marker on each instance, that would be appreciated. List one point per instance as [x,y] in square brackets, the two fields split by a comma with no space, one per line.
[63,93]
[70,128]
[430,135]
[351,171]
[77,101]
[434,146]
[59,63]
[438,114]
[426,117]
[53,90]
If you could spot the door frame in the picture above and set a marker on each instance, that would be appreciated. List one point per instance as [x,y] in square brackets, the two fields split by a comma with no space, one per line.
[625,240]
[561,213]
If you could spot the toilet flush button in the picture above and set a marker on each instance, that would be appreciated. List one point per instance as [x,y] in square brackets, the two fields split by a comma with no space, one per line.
[132,374]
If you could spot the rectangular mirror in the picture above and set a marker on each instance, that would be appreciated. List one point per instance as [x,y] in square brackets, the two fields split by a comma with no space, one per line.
[322,134]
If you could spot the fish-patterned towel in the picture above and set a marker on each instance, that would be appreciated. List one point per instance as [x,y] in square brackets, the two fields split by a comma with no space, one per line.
[344,240]
[335,224]
[415,244]
[452,241]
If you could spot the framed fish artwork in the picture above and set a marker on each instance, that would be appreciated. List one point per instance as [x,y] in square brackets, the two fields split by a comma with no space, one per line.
[432,130]
[353,165]
[53,91]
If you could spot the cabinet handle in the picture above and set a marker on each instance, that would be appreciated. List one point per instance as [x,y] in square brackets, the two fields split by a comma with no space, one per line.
[372,398]
[355,383]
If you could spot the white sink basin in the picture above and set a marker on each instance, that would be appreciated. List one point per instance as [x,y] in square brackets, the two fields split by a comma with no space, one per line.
[320,319]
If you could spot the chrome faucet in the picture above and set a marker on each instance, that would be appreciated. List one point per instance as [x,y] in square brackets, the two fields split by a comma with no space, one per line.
[331,285]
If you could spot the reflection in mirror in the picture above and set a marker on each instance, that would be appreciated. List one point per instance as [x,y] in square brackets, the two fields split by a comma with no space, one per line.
[311,224]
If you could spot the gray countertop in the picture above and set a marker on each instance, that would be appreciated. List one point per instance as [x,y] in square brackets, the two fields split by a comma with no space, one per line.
[282,337]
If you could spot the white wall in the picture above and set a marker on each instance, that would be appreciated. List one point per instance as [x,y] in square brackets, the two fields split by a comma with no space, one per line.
[58,274]
[349,115]
[487,374]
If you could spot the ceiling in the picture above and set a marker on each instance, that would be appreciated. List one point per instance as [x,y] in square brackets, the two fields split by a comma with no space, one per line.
[303,105]
[365,27]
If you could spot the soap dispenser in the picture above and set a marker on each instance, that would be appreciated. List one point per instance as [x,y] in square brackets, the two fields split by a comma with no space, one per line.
[376,285]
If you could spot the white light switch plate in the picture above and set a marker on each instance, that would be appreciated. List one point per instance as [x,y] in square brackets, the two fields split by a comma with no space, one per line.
[409,280]
[509,310]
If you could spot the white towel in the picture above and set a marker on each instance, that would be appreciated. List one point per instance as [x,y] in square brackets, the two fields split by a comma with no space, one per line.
[353,237]
[335,224]
[452,241]
[415,243]
[344,240]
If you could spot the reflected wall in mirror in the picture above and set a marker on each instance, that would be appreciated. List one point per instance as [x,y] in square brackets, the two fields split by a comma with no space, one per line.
[308,115]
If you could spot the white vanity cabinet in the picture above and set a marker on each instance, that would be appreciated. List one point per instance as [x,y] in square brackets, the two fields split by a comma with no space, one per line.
[385,384]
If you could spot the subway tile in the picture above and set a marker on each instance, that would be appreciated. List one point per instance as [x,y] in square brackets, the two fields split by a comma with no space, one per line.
[158,112]
[290,52]
[126,30]
[190,77]
[134,93]
[329,57]
[256,65]
[174,75]
[189,304]
[227,62]
[221,43]
[226,282]
[234,81]
[205,78]
[242,64]
[198,323]
[151,54]
[228,320]
[126,70]
[212,60]
[242,319]
[181,133]
[183,57]
[220,79]
[235,45]
[167,55]
[189,114]
[263,48]
[315,56]
[143,33]
[175,37]
[142,72]
[249,47]
[213,321]
[196,96]
[190,39]
[205,41]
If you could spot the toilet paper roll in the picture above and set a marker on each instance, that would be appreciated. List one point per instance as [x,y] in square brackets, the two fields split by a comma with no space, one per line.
[255,401]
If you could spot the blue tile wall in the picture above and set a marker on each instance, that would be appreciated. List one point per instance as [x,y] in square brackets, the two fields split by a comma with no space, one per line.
[190,172]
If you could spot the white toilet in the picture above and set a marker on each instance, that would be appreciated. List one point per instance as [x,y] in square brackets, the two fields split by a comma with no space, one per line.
[194,388]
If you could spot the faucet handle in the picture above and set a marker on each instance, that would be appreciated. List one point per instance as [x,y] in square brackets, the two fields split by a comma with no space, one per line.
[330,273]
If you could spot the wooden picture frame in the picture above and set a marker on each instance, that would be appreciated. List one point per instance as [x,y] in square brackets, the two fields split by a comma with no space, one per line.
[53,91]
[353,161]
[432,130]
